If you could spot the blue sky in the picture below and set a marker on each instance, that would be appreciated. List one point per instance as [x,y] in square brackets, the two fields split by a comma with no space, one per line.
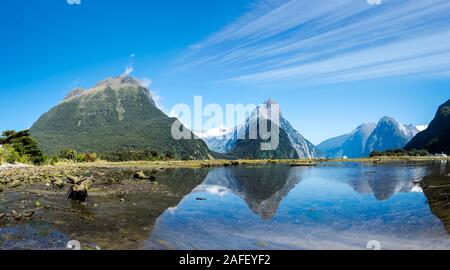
[331,65]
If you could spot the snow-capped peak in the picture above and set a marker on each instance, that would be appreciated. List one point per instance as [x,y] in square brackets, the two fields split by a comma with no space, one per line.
[422,127]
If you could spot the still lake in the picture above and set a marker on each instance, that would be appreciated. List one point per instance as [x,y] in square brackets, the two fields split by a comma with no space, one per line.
[326,207]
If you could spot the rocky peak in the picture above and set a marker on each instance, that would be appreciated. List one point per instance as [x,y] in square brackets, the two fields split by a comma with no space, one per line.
[269,101]
[118,82]
[74,93]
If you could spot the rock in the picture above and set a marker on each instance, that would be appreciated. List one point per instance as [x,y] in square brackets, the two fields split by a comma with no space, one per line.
[38,204]
[152,178]
[78,195]
[1,189]
[28,214]
[79,192]
[59,183]
[74,180]
[16,215]
[140,175]
[201,199]
[14,184]
[2,216]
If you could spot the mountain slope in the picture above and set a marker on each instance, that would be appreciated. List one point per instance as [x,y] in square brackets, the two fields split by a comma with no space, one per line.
[389,134]
[351,145]
[436,138]
[118,114]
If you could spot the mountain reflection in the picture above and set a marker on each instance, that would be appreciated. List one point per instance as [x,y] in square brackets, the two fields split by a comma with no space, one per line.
[384,182]
[262,188]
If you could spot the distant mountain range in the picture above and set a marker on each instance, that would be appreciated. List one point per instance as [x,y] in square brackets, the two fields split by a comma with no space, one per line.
[387,134]
[118,114]
[436,138]
[292,145]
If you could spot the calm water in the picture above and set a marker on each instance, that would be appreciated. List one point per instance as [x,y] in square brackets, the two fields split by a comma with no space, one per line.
[334,207]
[267,207]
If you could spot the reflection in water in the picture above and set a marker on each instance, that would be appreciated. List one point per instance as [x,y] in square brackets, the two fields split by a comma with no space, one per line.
[249,208]
[437,191]
[279,207]
[262,188]
[387,181]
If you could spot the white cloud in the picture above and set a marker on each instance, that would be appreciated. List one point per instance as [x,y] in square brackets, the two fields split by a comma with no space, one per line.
[128,71]
[130,65]
[374,2]
[145,82]
[326,41]
[74,2]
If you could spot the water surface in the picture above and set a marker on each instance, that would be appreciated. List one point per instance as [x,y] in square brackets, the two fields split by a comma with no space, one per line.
[332,206]
[325,207]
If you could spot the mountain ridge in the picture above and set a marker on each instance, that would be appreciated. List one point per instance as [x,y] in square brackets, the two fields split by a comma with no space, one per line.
[436,138]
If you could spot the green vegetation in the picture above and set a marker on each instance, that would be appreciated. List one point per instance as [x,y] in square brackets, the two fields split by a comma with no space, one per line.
[121,119]
[147,155]
[20,147]
[68,154]
[400,153]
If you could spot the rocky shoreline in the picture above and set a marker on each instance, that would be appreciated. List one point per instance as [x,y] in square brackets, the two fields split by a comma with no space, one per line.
[39,198]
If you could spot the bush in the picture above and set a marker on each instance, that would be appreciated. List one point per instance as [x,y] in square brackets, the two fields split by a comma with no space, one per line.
[400,153]
[10,155]
[73,155]
[127,155]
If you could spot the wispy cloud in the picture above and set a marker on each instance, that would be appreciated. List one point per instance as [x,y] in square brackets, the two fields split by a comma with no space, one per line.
[130,65]
[324,41]
[74,2]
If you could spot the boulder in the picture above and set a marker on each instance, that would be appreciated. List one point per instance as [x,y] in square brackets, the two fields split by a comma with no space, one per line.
[140,175]
[79,192]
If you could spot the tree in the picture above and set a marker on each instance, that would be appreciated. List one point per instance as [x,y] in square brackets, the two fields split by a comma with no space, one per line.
[22,147]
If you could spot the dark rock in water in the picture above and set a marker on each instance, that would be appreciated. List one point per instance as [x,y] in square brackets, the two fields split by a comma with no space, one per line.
[80,192]
[152,178]
[201,199]
[78,195]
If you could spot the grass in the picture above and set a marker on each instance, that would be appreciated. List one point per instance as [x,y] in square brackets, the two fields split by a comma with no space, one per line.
[221,163]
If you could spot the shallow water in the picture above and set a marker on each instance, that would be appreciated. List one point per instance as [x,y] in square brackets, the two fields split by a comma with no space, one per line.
[338,206]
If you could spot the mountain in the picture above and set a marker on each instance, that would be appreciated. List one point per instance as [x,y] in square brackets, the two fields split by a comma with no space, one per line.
[118,114]
[351,145]
[387,134]
[436,138]
[292,145]
[217,140]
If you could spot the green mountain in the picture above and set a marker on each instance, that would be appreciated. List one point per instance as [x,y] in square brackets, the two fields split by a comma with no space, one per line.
[436,138]
[118,114]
